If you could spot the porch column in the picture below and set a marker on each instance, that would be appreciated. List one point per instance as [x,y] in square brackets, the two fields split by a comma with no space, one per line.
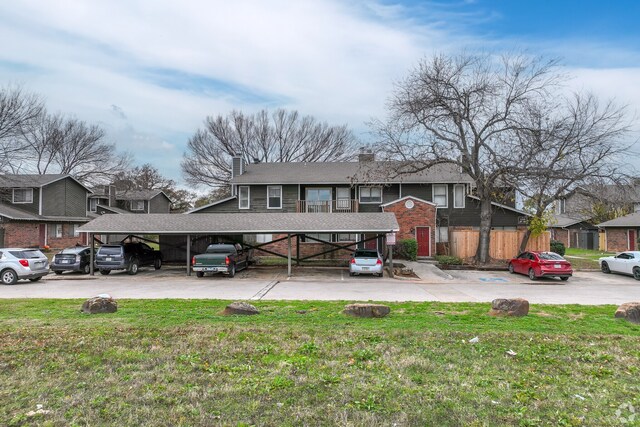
[390,249]
[289,254]
[188,254]
[298,250]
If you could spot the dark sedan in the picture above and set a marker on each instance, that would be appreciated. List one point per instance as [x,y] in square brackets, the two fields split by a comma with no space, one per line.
[76,258]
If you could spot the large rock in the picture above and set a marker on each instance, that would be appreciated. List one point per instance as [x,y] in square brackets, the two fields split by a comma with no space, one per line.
[100,304]
[629,311]
[367,310]
[509,307]
[240,307]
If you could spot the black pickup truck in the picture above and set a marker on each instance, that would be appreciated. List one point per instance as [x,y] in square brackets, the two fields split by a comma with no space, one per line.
[221,258]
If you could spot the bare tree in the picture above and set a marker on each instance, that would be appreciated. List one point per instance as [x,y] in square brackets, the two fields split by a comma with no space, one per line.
[18,109]
[579,143]
[283,136]
[466,110]
[55,144]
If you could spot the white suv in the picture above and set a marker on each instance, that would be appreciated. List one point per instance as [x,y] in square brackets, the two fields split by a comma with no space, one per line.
[17,264]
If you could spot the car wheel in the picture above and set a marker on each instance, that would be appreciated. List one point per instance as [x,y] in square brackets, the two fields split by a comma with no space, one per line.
[105,272]
[58,272]
[232,272]
[86,269]
[35,279]
[157,264]
[511,268]
[605,268]
[564,278]
[199,274]
[133,268]
[532,274]
[636,273]
[9,277]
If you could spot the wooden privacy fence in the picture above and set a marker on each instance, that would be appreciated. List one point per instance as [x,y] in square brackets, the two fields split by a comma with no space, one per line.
[503,245]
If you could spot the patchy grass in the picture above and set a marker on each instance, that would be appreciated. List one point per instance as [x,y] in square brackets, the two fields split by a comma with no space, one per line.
[176,362]
[584,259]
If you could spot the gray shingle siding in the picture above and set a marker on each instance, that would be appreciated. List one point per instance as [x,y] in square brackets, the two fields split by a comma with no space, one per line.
[159,204]
[230,206]
[64,198]
[6,196]
[421,191]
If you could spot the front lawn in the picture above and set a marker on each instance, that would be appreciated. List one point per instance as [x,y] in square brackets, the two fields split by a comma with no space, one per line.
[179,362]
[585,259]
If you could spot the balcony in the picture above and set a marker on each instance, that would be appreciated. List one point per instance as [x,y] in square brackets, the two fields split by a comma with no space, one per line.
[328,206]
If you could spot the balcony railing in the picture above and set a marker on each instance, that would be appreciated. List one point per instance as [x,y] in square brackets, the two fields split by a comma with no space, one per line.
[328,206]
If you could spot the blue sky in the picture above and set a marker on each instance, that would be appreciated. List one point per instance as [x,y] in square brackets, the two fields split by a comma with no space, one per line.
[150,71]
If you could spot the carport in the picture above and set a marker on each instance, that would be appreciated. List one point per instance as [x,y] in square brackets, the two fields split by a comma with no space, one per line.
[291,224]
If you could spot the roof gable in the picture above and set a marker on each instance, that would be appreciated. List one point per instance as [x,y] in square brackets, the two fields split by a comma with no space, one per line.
[406,198]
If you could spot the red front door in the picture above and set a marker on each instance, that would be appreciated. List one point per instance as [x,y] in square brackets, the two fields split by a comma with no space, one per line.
[632,240]
[423,236]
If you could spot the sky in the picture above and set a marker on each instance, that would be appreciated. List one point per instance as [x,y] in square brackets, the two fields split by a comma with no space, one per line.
[150,71]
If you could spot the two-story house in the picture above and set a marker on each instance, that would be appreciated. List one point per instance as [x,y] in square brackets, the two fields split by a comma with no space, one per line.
[108,200]
[427,204]
[41,210]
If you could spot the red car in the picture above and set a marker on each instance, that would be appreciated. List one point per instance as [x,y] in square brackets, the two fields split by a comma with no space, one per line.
[541,264]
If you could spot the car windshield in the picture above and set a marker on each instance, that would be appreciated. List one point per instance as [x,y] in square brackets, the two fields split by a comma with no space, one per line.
[220,249]
[550,255]
[365,254]
[72,250]
[27,254]
[110,250]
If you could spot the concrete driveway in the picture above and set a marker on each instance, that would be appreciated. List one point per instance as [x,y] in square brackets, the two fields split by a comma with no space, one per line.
[591,288]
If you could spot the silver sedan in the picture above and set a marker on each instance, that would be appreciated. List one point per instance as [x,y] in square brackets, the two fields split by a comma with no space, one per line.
[365,261]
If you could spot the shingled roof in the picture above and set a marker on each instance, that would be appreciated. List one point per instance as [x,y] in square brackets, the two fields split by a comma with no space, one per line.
[631,220]
[32,180]
[247,223]
[19,215]
[344,173]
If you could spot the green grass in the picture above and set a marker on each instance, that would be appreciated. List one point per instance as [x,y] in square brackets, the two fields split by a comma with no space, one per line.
[584,259]
[177,362]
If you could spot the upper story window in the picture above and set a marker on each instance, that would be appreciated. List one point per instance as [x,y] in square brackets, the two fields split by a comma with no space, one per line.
[23,195]
[243,197]
[370,194]
[458,196]
[137,205]
[93,205]
[440,196]
[274,197]
[561,206]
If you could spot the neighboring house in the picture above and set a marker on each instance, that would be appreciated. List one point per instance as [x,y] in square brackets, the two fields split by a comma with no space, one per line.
[109,200]
[622,234]
[41,210]
[428,205]
[574,231]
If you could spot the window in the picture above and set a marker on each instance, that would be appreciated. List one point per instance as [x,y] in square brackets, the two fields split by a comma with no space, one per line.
[458,196]
[137,205]
[56,231]
[76,233]
[343,198]
[440,197]
[370,194]
[324,237]
[347,237]
[93,205]
[263,238]
[560,206]
[318,200]
[23,195]
[243,197]
[274,197]
[442,234]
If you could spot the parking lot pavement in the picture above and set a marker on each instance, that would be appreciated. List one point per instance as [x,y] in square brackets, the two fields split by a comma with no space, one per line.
[591,288]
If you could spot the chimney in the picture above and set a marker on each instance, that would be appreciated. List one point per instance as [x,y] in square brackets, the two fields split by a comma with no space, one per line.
[112,196]
[237,166]
[366,155]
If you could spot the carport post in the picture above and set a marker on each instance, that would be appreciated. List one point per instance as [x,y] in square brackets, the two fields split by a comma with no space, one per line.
[92,254]
[289,254]
[390,249]
[188,254]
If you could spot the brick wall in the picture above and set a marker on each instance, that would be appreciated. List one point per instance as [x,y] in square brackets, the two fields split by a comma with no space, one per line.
[617,239]
[421,215]
[306,249]
[560,236]
[27,234]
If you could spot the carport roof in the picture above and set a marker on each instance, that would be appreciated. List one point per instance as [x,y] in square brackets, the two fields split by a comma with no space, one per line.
[245,223]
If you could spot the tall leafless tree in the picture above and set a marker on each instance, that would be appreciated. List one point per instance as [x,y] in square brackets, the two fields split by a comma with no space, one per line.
[465,110]
[18,110]
[283,136]
[56,144]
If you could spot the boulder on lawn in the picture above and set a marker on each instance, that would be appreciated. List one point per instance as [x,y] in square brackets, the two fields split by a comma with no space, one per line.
[629,311]
[509,307]
[240,307]
[101,304]
[367,310]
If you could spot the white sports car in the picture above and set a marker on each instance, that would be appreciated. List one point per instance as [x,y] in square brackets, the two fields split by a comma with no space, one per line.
[625,262]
